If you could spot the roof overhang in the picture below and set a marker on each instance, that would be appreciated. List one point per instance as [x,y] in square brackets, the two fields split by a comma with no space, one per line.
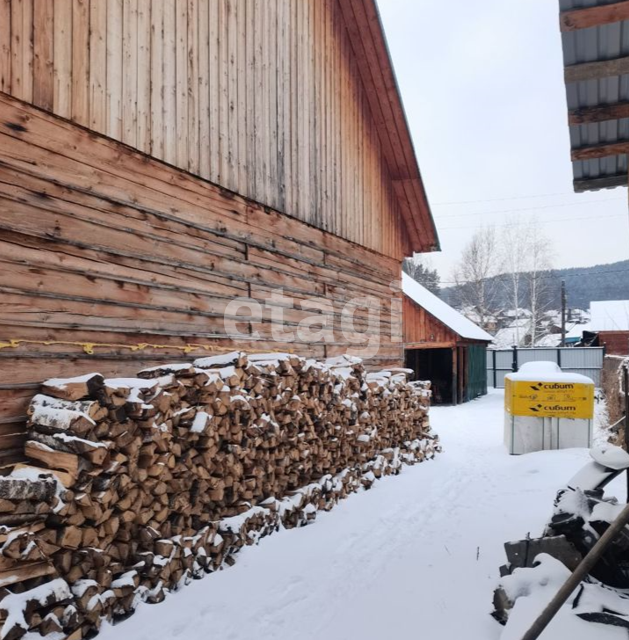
[595,41]
[369,44]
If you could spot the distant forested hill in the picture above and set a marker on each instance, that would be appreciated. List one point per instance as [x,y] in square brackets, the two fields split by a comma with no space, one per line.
[601,282]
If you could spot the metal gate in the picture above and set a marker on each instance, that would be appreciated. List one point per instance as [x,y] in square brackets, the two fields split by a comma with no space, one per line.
[476,373]
[587,361]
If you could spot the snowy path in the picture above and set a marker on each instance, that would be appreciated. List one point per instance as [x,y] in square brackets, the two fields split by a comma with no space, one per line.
[415,557]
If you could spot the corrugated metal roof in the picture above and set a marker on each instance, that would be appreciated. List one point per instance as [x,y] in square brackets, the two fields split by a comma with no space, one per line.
[594,44]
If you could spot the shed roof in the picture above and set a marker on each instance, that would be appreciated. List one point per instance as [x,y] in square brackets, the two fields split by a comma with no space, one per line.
[369,44]
[442,311]
[609,315]
[595,40]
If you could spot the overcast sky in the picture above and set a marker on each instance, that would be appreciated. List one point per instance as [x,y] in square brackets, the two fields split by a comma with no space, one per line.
[483,90]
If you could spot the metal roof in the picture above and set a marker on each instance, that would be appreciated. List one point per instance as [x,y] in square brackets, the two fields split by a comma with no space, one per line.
[595,44]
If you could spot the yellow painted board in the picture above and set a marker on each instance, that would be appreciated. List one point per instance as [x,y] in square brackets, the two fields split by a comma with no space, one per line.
[573,400]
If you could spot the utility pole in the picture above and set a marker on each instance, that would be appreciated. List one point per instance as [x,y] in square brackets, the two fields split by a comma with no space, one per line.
[563,313]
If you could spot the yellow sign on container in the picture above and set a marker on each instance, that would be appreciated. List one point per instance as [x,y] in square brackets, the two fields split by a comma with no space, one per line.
[573,400]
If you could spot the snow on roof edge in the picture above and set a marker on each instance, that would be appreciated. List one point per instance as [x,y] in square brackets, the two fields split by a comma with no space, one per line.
[442,311]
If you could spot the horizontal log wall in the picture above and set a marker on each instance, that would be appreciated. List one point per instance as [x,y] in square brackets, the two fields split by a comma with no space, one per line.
[100,244]
[260,96]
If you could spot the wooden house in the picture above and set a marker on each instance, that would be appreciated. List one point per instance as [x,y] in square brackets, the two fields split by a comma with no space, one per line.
[160,158]
[609,326]
[443,346]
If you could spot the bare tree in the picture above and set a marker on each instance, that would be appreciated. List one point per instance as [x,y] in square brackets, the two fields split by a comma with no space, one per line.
[475,274]
[420,269]
[527,260]
[538,278]
[514,245]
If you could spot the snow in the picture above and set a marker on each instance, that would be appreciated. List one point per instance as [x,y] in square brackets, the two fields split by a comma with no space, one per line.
[200,422]
[537,587]
[416,556]
[62,383]
[609,315]
[442,311]
[543,371]
[509,336]
[221,360]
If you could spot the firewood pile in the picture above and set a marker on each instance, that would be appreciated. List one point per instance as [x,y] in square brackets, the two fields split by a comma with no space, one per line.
[137,485]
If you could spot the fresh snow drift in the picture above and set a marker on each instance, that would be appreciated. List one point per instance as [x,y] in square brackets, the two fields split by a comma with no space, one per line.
[416,556]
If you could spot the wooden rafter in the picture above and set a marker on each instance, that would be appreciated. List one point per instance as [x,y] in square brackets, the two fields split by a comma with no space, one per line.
[593,16]
[596,70]
[600,113]
[603,182]
[604,150]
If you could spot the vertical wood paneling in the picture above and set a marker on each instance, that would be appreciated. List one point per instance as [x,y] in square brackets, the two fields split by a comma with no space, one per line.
[43,23]
[144,76]
[157,80]
[181,70]
[240,7]
[215,143]
[170,82]
[204,90]
[230,97]
[98,65]
[130,72]
[62,42]
[22,49]
[80,61]
[261,96]
[114,68]
[5,46]
[193,85]
[251,71]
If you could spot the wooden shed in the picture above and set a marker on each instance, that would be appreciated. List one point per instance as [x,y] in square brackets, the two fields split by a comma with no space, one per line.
[160,158]
[443,346]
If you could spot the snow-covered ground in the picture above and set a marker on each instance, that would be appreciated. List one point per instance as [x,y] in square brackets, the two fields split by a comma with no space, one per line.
[417,556]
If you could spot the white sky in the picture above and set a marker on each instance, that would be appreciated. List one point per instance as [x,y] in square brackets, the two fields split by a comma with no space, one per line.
[482,83]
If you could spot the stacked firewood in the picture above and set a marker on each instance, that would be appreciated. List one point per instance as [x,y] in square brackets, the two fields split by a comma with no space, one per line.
[162,478]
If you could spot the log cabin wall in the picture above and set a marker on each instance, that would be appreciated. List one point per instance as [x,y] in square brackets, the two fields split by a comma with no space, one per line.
[122,262]
[263,97]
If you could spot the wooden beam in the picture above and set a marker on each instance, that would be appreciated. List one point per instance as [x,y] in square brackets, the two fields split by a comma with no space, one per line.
[593,16]
[603,182]
[428,345]
[600,113]
[596,70]
[604,150]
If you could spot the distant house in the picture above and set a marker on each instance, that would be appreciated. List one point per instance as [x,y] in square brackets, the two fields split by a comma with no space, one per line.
[443,346]
[610,322]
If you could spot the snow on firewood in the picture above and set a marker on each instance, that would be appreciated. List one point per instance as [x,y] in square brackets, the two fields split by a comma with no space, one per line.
[164,477]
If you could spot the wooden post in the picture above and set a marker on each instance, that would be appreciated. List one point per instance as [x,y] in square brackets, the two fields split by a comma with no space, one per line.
[563,313]
[495,374]
[455,381]
[625,378]
[584,568]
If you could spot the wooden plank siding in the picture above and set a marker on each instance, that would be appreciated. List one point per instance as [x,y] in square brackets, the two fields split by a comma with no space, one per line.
[263,97]
[421,329]
[100,244]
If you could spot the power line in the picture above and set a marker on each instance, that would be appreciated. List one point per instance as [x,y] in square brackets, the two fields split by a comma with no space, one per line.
[509,224]
[548,206]
[541,195]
